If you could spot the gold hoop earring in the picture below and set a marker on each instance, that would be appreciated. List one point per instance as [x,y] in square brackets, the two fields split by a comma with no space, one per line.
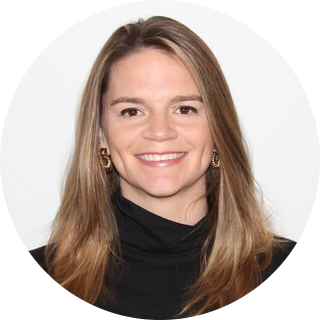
[105,160]
[215,162]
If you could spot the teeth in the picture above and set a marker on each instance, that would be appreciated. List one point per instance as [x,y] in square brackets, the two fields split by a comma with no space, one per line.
[160,157]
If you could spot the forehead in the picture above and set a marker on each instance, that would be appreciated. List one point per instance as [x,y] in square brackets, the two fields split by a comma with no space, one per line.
[150,70]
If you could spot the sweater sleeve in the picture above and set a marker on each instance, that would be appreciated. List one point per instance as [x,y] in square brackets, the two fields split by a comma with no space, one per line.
[280,254]
[39,255]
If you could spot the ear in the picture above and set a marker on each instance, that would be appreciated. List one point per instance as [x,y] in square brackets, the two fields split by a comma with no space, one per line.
[103,140]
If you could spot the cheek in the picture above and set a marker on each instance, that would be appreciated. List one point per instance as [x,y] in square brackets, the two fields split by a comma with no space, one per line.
[205,147]
[200,137]
[206,155]
[120,140]
[112,132]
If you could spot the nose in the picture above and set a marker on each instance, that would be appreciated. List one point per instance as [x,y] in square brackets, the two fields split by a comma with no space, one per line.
[160,128]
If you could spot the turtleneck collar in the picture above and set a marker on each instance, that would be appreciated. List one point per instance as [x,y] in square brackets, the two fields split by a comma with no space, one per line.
[141,230]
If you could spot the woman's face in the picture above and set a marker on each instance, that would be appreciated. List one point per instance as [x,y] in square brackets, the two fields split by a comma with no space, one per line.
[155,126]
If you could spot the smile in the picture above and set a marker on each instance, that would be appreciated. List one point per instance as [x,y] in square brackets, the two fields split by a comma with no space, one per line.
[161,157]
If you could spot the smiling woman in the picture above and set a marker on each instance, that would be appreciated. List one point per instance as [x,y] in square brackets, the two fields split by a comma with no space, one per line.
[160,217]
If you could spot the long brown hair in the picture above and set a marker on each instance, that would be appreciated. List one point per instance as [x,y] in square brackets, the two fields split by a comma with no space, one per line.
[85,239]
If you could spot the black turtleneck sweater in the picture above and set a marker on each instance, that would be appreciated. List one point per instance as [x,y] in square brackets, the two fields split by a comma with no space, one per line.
[160,262]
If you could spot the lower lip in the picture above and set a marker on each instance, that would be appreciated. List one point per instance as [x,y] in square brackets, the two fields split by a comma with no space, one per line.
[162,163]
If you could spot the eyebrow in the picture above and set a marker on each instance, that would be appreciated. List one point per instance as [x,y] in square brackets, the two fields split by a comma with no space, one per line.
[176,99]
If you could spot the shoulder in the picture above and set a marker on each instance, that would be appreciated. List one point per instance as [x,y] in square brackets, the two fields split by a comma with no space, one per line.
[39,255]
[282,248]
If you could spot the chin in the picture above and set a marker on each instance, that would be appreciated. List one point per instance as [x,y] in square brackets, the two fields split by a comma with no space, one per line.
[162,191]
[161,194]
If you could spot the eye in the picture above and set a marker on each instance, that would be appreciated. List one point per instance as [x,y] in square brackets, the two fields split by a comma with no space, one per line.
[130,112]
[186,110]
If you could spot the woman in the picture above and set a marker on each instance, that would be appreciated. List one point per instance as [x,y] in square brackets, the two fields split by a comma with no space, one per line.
[160,217]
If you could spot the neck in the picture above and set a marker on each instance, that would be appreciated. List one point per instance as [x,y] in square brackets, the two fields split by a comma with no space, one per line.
[186,207]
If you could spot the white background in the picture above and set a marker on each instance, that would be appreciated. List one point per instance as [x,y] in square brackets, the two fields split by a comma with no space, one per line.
[272,106]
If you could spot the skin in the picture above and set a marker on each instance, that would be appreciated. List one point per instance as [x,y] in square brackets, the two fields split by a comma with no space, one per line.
[152,106]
